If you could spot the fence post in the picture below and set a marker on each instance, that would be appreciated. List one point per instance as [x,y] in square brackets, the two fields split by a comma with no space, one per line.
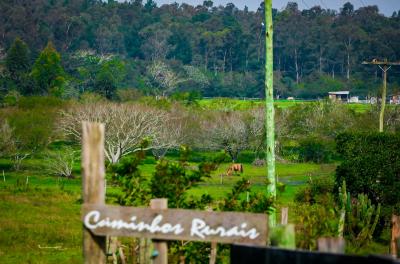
[331,245]
[395,236]
[94,247]
[284,216]
[160,246]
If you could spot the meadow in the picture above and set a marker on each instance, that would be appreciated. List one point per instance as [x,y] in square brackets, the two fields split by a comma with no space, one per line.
[40,213]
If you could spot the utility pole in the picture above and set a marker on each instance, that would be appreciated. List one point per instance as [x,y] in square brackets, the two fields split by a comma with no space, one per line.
[385,67]
[269,109]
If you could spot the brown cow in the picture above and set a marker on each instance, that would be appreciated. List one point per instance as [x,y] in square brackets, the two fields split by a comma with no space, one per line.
[236,167]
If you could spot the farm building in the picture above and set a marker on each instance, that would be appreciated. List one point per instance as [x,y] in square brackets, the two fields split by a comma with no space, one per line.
[339,96]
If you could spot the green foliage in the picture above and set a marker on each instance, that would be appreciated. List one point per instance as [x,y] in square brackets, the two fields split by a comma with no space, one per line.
[315,150]
[33,122]
[370,165]
[126,173]
[315,221]
[17,63]
[109,77]
[318,86]
[48,73]
[361,220]
[316,191]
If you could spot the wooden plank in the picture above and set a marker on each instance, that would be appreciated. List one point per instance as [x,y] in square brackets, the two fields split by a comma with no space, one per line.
[395,236]
[160,246]
[176,224]
[331,244]
[94,247]
[284,216]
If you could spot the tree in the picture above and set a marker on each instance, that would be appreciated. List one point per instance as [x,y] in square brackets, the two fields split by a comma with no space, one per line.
[127,126]
[18,63]
[110,74]
[227,131]
[163,77]
[48,73]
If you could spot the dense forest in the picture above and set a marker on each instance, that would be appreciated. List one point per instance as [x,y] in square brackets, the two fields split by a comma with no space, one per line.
[66,47]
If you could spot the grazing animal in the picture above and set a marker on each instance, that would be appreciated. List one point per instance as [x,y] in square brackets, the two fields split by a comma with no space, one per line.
[236,167]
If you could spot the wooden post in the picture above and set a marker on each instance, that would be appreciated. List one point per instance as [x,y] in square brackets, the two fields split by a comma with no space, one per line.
[94,247]
[284,216]
[331,245]
[383,103]
[384,65]
[160,246]
[395,236]
[213,253]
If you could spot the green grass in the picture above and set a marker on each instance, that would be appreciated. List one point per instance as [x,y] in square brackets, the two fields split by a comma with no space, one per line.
[229,104]
[35,218]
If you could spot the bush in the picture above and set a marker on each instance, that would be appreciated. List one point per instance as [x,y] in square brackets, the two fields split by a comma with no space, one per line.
[314,221]
[315,150]
[371,165]
[317,190]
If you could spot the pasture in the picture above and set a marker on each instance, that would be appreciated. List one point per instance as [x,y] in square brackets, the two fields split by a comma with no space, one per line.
[40,219]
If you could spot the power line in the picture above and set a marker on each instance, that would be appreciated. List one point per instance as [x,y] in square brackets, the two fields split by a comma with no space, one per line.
[323,3]
[362,3]
[305,4]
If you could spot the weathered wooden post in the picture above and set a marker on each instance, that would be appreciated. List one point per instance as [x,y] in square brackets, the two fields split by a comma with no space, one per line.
[331,245]
[94,247]
[284,216]
[394,246]
[160,246]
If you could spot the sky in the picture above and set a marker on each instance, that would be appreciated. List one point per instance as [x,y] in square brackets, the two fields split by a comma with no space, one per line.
[385,6]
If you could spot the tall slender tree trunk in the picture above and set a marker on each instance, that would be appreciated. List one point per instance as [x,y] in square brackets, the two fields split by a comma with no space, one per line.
[348,66]
[296,64]
[269,101]
[206,59]
[320,60]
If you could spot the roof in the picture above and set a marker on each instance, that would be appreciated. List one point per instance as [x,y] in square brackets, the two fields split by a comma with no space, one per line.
[340,92]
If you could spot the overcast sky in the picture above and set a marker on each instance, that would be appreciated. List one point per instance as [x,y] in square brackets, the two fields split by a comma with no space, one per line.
[385,6]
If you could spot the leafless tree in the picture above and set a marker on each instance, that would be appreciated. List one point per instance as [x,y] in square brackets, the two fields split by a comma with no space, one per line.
[226,131]
[164,77]
[127,125]
[9,145]
[61,163]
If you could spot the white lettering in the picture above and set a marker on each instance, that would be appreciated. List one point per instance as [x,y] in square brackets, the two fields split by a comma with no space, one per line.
[201,229]
[196,225]
[92,221]
[95,215]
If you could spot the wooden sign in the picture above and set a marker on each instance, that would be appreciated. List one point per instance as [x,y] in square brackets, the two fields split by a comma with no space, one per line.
[175,224]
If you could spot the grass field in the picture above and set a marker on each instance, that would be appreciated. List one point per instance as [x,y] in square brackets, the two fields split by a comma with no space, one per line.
[40,220]
[244,104]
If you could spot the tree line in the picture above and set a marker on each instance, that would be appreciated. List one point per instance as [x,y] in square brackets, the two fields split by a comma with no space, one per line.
[202,50]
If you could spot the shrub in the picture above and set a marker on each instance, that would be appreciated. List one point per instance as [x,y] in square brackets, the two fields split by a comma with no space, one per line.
[315,221]
[371,165]
[314,150]
[317,190]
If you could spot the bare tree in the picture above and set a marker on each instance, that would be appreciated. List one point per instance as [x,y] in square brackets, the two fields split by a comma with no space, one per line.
[226,131]
[11,146]
[6,138]
[164,77]
[127,125]
[61,163]
[169,136]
